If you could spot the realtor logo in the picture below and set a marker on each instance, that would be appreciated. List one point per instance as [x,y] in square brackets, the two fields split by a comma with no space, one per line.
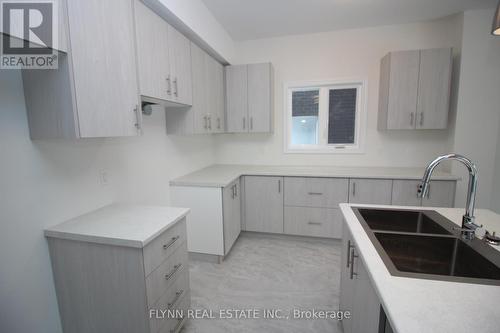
[29,38]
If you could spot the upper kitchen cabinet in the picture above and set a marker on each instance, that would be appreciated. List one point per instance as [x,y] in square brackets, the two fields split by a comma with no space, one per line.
[415,89]
[164,59]
[94,91]
[249,98]
[207,112]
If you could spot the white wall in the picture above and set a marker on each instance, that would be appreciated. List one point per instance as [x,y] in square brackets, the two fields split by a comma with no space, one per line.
[478,112]
[43,183]
[495,195]
[349,53]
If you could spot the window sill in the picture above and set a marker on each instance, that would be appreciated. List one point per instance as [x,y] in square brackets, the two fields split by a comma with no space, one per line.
[324,150]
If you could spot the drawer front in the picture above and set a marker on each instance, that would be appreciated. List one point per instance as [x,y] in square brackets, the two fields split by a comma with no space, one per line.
[164,276]
[316,222]
[171,298]
[174,325]
[316,192]
[163,246]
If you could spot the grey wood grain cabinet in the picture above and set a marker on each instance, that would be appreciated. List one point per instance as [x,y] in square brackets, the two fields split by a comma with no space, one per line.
[231,203]
[414,89]
[164,59]
[94,92]
[207,112]
[263,201]
[405,193]
[249,98]
[370,191]
[357,294]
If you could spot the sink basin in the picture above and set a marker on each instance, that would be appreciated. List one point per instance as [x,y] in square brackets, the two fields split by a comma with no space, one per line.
[402,221]
[448,256]
[424,244]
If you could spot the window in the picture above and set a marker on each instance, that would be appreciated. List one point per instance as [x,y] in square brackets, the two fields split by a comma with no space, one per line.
[325,117]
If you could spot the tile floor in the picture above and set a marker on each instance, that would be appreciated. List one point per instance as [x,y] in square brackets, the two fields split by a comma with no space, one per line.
[268,272]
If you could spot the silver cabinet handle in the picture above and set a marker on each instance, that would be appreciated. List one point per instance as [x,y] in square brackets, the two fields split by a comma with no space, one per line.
[205,121]
[314,223]
[251,123]
[179,323]
[176,91]
[315,193]
[353,189]
[232,192]
[412,116]
[169,85]
[209,122]
[279,185]
[172,241]
[218,122]
[235,190]
[173,271]
[349,246]
[421,119]
[176,298]
[244,123]
[353,256]
[138,118]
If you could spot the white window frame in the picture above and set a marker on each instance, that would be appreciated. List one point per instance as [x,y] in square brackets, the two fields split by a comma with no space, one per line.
[324,86]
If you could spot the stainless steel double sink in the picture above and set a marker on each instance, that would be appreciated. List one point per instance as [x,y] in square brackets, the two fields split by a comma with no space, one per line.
[424,244]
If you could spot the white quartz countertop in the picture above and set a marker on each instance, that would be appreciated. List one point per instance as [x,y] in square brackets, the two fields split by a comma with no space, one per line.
[117,224]
[422,305]
[221,175]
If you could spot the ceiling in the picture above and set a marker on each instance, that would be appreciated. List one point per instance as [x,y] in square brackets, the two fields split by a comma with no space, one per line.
[254,19]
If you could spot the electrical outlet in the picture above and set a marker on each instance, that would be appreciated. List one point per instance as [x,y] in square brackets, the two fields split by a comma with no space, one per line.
[103,177]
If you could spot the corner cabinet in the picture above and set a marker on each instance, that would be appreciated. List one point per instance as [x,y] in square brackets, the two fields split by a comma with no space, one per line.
[249,98]
[164,59]
[415,89]
[94,92]
[357,294]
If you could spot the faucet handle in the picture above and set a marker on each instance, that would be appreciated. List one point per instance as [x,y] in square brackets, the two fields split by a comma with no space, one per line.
[492,239]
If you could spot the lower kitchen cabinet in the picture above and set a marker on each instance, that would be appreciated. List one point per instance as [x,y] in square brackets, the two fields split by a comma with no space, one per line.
[441,193]
[357,294]
[263,201]
[311,221]
[231,214]
[370,191]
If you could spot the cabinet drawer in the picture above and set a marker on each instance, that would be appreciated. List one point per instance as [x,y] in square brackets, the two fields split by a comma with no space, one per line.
[174,325]
[164,276]
[315,192]
[163,246]
[171,299]
[317,222]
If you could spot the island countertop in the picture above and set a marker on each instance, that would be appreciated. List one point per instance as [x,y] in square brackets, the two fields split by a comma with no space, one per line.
[221,175]
[119,224]
[423,305]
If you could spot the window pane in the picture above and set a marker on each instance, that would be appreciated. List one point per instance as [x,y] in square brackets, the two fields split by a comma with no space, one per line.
[342,116]
[305,117]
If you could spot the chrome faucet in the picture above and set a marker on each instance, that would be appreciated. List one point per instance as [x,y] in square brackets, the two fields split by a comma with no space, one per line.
[468,221]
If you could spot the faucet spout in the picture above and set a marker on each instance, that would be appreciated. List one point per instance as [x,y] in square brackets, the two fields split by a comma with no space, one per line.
[468,218]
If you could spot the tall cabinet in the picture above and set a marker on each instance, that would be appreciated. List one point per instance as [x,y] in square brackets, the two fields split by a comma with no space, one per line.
[415,89]
[249,98]
[94,92]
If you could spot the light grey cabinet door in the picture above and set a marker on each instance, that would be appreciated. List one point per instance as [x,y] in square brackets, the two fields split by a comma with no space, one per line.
[366,305]
[104,67]
[403,85]
[231,214]
[405,192]
[346,281]
[441,194]
[263,204]
[152,52]
[236,99]
[434,88]
[199,75]
[260,97]
[315,222]
[180,66]
[370,191]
